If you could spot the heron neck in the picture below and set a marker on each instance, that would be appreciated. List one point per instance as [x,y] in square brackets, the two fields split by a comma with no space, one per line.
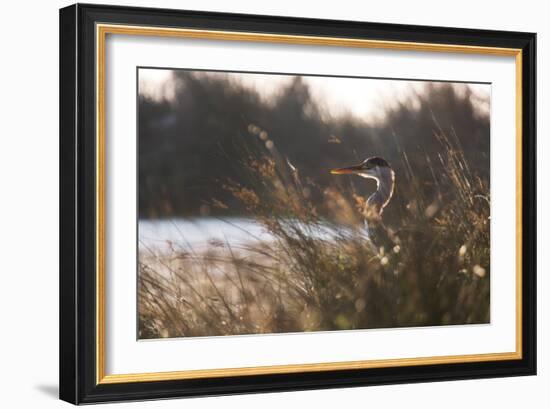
[385,181]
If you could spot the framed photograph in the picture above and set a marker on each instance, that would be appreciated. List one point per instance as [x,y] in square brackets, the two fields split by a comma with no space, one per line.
[257,203]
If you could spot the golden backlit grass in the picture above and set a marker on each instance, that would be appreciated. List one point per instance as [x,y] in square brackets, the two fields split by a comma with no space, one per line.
[320,272]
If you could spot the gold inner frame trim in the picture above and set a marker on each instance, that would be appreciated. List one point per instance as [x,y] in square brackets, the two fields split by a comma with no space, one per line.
[101,33]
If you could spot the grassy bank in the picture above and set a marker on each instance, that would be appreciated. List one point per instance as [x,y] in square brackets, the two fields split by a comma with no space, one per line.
[321,273]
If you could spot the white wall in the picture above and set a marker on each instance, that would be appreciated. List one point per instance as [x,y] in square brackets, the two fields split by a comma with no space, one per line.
[29,202]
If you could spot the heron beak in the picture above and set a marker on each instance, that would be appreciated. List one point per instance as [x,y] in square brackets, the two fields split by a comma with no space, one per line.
[347,171]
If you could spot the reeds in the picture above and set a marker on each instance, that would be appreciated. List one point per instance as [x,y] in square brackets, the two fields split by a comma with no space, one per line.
[320,272]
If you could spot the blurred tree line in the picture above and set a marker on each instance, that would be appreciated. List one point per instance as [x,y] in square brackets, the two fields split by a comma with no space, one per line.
[190,146]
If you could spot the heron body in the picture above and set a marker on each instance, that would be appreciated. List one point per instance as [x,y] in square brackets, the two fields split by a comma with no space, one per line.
[380,170]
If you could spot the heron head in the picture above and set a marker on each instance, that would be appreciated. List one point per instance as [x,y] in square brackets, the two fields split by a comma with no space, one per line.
[370,168]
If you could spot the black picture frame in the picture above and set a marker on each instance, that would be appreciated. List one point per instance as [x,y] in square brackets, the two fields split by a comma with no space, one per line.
[78,360]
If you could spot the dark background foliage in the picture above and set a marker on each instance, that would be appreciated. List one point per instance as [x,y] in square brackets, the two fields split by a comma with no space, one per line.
[191,146]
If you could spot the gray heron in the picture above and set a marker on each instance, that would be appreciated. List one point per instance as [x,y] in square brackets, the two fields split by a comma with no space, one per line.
[380,170]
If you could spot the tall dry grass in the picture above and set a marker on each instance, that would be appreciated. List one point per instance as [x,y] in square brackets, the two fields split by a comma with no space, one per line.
[322,273]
